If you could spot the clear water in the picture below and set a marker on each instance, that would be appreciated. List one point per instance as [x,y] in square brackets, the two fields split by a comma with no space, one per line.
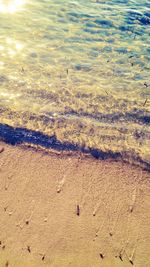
[78,69]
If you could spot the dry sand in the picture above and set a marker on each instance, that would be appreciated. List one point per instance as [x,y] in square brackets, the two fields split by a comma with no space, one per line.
[72,210]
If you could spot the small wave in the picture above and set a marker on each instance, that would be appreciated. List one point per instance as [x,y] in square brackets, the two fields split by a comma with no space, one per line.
[17,136]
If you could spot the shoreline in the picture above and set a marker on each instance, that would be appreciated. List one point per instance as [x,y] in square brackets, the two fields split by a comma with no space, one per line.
[69,209]
[36,139]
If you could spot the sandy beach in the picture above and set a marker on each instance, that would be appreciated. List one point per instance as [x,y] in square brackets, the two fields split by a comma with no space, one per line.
[68,209]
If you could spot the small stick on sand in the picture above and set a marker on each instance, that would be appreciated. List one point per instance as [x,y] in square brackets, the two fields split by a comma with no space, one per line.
[145,102]
[146,85]
[132,256]
[78,210]
[29,249]
[43,258]
[1,149]
[120,256]
[101,255]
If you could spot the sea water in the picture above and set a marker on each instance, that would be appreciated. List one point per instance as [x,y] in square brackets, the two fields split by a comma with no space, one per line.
[78,70]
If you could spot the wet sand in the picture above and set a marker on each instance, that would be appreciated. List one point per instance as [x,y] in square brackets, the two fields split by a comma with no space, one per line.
[65,209]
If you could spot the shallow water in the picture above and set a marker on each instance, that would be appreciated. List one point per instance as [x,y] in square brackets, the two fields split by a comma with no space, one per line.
[78,70]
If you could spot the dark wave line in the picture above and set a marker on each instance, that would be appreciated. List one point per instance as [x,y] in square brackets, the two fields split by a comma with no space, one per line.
[16,136]
[138,116]
[132,117]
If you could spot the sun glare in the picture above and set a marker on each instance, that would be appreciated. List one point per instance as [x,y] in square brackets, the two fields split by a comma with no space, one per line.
[11,6]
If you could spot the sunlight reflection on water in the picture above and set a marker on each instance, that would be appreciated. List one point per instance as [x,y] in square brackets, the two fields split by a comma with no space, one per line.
[11,6]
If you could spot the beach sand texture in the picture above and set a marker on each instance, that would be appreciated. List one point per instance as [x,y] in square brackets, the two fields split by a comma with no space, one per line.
[65,209]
